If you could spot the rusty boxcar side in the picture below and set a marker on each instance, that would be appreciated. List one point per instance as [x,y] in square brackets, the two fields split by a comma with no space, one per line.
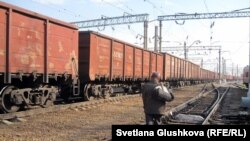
[182,72]
[172,67]
[146,64]
[138,63]
[186,70]
[32,43]
[175,69]
[129,62]
[108,65]
[160,64]
[35,50]
[106,58]
[167,66]
[153,62]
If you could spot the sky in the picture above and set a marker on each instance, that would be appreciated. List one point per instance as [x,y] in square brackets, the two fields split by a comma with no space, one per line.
[232,34]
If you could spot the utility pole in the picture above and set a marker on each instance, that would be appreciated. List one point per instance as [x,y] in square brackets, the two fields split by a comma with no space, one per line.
[217,68]
[202,63]
[146,35]
[160,37]
[223,67]
[237,75]
[156,39]
[232,69]
[220,66]
[185,50]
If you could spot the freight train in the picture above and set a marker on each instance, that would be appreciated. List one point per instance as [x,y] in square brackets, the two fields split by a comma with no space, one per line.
[108,66]
[43,58]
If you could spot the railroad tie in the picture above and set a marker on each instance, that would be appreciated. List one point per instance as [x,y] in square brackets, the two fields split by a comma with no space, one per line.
[19,119]
[6,122]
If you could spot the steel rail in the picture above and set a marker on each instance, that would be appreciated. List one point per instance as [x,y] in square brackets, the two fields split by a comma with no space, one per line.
[80,105]
[84,104]
[215,107]
[183,105]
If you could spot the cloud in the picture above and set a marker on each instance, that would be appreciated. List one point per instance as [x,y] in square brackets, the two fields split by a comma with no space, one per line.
[47,2]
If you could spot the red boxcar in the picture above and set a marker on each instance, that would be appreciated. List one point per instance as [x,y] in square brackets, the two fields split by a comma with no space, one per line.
[169,67]
[160,65]
[138,63]
[103,57]
[35,50]
[32,43]
[107,64]
[146,64]
[176,70]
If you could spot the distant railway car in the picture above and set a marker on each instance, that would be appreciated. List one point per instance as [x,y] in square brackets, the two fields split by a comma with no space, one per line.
[182,69]
[195,73]
[108,66]
[202,74]
[210,75]
[172,69]
[180,72]
[39,55]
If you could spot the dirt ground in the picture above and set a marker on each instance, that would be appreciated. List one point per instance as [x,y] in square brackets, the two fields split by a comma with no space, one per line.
[90,124]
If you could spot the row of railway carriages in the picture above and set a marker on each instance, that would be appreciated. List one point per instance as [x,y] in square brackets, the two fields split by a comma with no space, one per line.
[43,58]
[114,60]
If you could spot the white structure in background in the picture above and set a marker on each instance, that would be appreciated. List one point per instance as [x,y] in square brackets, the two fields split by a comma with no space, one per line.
[245,101]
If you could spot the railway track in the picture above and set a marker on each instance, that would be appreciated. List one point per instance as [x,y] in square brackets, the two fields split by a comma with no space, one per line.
[199,109]
[231,112]
[18,116]
[8,118]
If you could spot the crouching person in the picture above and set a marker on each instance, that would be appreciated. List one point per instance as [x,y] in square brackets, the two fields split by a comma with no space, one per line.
[155,96]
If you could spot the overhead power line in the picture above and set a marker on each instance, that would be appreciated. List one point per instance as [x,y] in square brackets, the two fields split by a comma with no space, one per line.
[60,9]
[114,5]
[196,16]
[239,13]
[205,3]
[154,6]
[126,19]
[194,48]
[126,6]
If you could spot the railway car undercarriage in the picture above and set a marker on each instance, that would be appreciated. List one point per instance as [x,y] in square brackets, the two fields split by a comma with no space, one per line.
[12,98]
[99,91]
[27,91]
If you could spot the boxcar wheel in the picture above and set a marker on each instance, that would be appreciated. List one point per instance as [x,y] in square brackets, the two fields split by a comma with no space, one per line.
[5,101]
[48,103]
[87,93]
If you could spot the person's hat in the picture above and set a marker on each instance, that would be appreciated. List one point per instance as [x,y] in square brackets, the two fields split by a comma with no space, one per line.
[155,75]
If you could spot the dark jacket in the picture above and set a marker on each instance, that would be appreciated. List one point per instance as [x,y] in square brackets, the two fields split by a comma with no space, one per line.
[154,100]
